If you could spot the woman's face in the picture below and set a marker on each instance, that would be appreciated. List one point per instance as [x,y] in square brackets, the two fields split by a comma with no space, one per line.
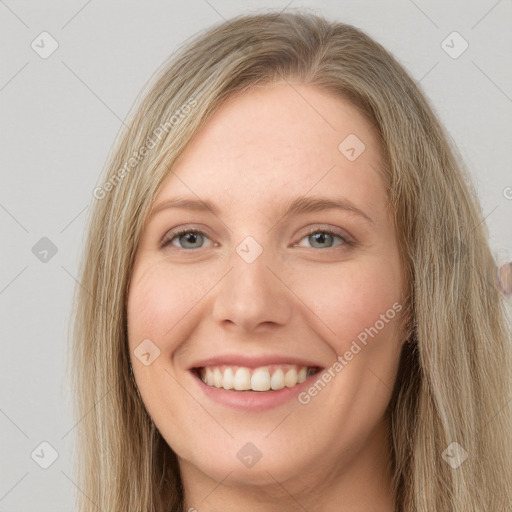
[255,294]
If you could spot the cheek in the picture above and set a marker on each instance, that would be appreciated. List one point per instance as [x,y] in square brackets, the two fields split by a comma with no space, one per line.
[158,298]
[354,297]
[360,305]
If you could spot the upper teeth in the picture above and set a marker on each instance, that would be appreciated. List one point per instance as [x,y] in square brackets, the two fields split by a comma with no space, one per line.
[263,378]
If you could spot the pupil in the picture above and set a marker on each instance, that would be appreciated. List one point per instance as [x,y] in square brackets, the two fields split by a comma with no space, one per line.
[320,237]
[190,238]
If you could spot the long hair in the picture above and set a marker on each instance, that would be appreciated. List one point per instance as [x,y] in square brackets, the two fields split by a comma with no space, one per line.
[454,379]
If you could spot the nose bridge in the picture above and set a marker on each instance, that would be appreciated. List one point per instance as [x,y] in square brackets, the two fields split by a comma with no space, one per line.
[251,294]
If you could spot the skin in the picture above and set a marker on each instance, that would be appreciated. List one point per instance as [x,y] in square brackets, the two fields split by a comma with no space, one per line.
[299,297]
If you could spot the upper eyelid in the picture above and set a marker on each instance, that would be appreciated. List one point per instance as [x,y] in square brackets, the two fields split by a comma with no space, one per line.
[179,230]
[348,239]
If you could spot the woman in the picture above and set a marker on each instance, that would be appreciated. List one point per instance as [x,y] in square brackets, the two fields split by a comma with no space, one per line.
[287,295]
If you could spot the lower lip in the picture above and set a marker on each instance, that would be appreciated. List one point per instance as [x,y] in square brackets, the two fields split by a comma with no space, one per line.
[253,400]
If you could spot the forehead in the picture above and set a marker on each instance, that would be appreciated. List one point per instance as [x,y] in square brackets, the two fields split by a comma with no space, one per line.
[278,142]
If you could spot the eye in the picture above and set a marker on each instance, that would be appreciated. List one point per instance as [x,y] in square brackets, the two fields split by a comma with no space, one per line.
[325,239]
[319,238]
[185,239]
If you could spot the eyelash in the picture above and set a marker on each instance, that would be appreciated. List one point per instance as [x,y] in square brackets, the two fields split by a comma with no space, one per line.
[169,237]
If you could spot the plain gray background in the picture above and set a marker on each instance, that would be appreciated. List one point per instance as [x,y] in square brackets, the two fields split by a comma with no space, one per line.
[60,115]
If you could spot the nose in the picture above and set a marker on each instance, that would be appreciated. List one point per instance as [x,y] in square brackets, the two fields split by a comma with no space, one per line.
[252,296]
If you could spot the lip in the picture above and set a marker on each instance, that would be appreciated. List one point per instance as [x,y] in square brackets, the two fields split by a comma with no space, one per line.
[253,362]
[254,401]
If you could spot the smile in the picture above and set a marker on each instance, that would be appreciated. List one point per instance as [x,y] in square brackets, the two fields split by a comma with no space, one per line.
[263,378]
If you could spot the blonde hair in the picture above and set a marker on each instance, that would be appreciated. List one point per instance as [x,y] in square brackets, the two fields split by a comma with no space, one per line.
[454,378]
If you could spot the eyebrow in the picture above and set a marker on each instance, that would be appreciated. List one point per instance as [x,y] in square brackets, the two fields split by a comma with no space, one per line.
[296,206]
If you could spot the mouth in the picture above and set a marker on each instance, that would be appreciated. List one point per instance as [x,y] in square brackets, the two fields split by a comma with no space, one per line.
[243,379]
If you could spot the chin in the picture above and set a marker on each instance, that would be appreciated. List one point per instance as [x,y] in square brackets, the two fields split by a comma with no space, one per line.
[272,467]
